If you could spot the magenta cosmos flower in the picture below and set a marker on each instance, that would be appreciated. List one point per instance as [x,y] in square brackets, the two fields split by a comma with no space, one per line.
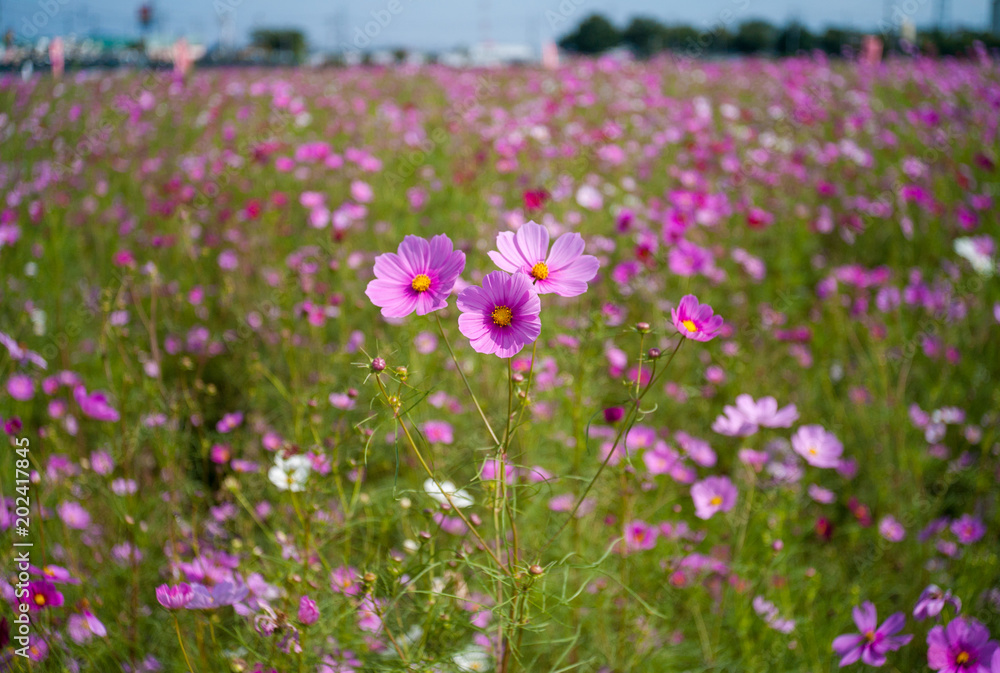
[174,597]
[964,646]
[819,447]
[871,645]
[696,321]
[711,495]
[501,316]
[419,277]
[564,271]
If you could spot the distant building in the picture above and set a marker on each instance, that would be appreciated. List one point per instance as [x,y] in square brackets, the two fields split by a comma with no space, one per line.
[493,54]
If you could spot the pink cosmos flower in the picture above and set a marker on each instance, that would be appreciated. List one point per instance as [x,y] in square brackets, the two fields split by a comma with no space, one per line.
[564,271]
[82,627]
[744,418]
[968,529]
[890,528]
[439,432]
[42,594]
[418,277]
[765,412]
[174,597]
[345,580]
[819,447]
[695,321]
[21,387]
[95,404]
[73,514]
[713,494]
[874,641]
[500,317]
[308,612]
[964,646]
[639,535]
[932,601]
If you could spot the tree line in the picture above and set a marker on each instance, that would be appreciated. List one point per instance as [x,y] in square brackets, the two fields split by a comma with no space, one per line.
[647,36]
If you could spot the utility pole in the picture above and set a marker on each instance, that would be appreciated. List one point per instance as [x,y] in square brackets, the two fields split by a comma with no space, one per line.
[944,12]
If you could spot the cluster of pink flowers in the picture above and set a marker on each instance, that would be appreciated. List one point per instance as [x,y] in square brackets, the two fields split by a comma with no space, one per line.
[500,316]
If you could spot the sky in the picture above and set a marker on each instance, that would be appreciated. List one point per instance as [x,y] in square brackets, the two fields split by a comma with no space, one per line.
[442,24]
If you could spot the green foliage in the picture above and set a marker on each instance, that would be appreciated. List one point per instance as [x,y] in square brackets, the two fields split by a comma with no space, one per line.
[280,40]
[594,35]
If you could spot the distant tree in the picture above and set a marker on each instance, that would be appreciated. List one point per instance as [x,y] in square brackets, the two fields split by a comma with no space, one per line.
[754,36]
[833,40]
[287,40]
[681,37]
[645,36]
[594,35]
[794,38]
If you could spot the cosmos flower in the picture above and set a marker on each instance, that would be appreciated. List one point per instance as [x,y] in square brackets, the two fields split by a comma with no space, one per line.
[95,405]
[819,447]
[746,417]
[500,317]
[890,528]
[964,646]
[472,660]
[174,597]
[19,353]
[695,321]
[73,514]
[82,627]
[42,594]
[711,495]
[639,535]
[968,529]
[438,432]
[978,251]
[932,601]
[221,594]
[874,641]
[21,387]
[290,474]
[418,277]
[308,612]
[459,497]
[345,580]
[564,271]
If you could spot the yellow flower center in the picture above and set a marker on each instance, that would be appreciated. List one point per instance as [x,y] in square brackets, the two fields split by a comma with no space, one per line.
[812,450]
[39,599]
[962,658]
[502,316]
[421,282]
[870,636]
[540,271]
[689,324]
[716,500]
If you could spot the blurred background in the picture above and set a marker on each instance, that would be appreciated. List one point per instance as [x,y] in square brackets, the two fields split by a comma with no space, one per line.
[475,32]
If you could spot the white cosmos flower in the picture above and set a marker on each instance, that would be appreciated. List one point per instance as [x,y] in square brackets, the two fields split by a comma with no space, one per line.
[472,660]
[978,253]
[459,497]
[290,473]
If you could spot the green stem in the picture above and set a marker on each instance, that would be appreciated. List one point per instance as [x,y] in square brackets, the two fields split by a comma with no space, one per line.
[458,366]
[633,413]
[180,640]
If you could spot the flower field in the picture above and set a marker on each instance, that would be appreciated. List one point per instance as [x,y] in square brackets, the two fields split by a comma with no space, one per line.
[624,366]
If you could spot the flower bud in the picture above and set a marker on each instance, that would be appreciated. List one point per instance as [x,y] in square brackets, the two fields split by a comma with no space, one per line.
[536,570]
[642,327]
[614,414]
[653,353]
[378,365]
